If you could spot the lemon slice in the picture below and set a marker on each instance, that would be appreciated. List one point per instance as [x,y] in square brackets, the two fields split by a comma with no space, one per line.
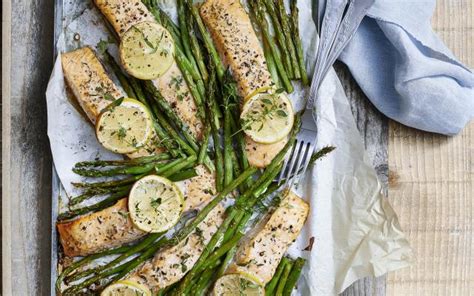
[126,288]
[257,91]
[237,284]
[147,50]
[125,128]
[155,204]
[267,118]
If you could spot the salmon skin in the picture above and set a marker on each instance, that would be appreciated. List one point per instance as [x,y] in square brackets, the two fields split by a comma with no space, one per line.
[260,254]
[171,265]
[238,45]
[122,15]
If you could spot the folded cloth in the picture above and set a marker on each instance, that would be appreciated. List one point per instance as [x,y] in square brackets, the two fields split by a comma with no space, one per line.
[406,70]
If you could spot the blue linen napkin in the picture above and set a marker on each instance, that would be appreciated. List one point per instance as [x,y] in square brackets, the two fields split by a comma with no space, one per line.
[406,70]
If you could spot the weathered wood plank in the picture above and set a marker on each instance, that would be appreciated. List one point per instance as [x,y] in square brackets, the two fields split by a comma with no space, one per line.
[27,162]
[432,185]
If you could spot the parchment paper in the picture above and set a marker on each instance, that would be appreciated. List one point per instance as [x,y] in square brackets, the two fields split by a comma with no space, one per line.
[354,230]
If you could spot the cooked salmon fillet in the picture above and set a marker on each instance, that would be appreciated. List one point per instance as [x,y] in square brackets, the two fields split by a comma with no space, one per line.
[90,84]
[170,265]
[238,45]
[94,90]
[98,231]
[111,227]
[260,255]
[124,14]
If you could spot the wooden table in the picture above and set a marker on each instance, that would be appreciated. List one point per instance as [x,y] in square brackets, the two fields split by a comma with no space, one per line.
[430,178]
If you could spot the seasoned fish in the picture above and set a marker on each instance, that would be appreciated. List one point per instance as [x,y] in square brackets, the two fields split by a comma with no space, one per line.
[237,43]
[170,265]
[94,90]
[111,227]
[90,84]
[260,255]
[98,231]
[124,14]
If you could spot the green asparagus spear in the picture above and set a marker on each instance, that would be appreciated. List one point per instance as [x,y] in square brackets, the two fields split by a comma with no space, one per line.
[280,36]
[126,170]
[285,26]
[295,32]
[183,175]
[271,63]
[84,261]
[125,162]
[262,22]
[294,276]
[283,279]
[270,287]
[113,198]
[208,43]
[131,251]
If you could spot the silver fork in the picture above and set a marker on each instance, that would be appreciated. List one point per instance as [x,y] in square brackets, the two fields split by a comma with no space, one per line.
[340,22]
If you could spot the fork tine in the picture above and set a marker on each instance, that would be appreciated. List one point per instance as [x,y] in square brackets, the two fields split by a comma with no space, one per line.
[296,152]
[302,155]
[308,159]
[285,164]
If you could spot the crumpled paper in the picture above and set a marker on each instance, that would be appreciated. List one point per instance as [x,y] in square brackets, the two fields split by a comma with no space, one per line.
[353,230]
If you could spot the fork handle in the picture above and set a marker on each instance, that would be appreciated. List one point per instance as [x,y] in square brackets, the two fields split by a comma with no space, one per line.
[340,22]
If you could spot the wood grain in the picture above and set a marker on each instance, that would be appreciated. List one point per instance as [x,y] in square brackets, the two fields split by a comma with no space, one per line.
[431,185]
[26,157]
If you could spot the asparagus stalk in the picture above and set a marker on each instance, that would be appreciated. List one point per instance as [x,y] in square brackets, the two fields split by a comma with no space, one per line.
[109,201]
[270,287]
[160,118]
[97,192]
[131,251]
[228,150]
[262,22]
[285,26]
[126,170]
[124,162]
[297,41]
[168,110]
[182,165]
[213,121]
[294,276]
[84,261]
[121,77]
[283,279]
[110,184]
[208,43]
[271,63]
[195,46]
[184,32]
[280,36]
[183,175]
[204,145]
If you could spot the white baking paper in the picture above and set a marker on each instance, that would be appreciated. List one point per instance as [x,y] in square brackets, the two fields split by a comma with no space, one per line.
[354,230]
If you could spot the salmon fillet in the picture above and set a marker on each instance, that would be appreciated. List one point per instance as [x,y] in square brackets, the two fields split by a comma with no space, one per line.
[98,231]
[90,84]
[260,255]
[111,227]
[170,265]
[238,45]
[124,14]
[94,90]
